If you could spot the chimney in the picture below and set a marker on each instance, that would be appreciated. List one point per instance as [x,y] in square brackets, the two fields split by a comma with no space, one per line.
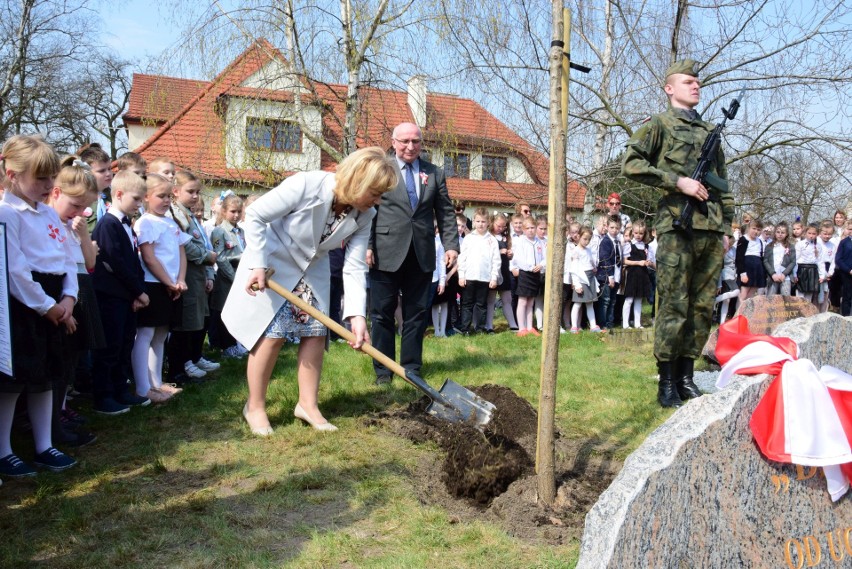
[417,99]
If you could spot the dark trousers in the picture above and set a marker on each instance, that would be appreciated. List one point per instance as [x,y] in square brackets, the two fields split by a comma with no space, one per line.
[335,297]
[845,293]
[835,288]
[109,374]
[474,293]
[384,294]
[605,307]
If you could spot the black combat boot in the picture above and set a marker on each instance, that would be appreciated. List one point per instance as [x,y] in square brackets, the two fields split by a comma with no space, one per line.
[667,392]
[684,371]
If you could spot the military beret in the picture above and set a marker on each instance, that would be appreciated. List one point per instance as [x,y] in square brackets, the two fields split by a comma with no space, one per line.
[685,66]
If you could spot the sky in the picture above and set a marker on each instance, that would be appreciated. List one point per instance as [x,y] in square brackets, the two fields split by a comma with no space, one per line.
[138,30]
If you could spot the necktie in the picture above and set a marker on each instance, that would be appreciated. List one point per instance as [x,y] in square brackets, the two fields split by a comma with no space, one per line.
[410,187]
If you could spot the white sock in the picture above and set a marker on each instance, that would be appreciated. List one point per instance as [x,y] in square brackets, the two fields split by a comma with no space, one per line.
[590,314]
[489,311]
[155,356]
[40,406]
[7,415]
[506,298]
[575,315]
[637,312]
[139,359]
[625,312]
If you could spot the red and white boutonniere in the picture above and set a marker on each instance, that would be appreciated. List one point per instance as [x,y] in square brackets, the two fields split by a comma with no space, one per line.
[229,245]
[424,177]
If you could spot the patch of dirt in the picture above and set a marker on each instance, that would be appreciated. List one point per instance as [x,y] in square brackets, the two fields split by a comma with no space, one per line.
[489,474]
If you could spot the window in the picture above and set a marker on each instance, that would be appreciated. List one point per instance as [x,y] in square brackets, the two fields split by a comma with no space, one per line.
[272,134]
[494,168]
[457,165]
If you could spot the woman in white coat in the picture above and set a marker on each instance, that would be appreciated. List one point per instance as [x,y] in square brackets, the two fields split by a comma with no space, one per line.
[291,229]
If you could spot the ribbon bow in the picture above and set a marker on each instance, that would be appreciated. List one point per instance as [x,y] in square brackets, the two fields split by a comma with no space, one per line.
[805,417]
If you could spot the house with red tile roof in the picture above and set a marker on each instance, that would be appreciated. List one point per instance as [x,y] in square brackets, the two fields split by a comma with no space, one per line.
[240,131]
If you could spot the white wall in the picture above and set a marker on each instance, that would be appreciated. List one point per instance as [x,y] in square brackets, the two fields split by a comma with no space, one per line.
[516,172]
[138,134]
[238,156]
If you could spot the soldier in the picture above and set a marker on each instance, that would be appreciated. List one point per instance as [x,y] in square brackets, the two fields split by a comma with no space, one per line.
[664,153]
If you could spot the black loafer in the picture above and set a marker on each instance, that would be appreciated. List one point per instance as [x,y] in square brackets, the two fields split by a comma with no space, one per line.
[383,380]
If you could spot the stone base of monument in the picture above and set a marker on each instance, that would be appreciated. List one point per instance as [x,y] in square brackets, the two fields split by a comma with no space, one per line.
[698,493]
[765,314]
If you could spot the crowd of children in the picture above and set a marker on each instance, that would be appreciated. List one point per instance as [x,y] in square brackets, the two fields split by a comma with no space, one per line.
[808,261]
[113,282]
[609,269]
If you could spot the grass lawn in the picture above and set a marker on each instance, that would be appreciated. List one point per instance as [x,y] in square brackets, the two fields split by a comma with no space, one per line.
[186,485]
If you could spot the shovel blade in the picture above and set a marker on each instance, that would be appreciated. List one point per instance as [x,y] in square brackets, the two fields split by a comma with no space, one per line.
[463,405]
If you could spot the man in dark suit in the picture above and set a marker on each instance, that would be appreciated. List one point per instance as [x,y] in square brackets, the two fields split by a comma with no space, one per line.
[401,254]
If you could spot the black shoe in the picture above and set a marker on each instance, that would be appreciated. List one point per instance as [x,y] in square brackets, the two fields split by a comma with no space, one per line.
[683,374]
[666,391]
[75,439]
[182,380]
[490,331]
[383,380]
[54,460]
[133,400]
[109,406]
[13,467]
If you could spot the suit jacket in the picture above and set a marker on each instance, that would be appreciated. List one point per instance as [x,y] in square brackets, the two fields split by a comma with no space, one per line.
[843,256]
[396,226]
[609,259]
[282,232]
[118,270]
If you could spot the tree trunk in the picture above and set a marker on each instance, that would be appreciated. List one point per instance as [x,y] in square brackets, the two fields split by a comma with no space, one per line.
[556,207]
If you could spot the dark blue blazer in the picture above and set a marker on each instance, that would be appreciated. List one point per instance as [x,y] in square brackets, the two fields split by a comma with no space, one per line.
[608,258]
[118,270]
[843,256]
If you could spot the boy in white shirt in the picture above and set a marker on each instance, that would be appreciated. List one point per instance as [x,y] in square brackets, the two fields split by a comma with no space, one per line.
[479,269]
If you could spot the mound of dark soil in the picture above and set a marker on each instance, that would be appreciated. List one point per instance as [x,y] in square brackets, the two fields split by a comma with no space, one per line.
[490,473]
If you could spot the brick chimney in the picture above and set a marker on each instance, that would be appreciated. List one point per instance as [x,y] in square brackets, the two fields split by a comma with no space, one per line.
[417,99]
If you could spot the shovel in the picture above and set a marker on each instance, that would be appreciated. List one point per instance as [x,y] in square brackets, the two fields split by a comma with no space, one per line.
[452,403]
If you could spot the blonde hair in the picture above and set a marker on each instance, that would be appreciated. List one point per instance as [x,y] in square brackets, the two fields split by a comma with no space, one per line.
[28,153]
[640,224]
[365,170]
[229,201]
[584,230]
[160,160]
[75,178]
[154,181]
[184,177]
[127,181]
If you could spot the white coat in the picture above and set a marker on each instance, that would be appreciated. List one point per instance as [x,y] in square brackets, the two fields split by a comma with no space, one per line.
[282,232]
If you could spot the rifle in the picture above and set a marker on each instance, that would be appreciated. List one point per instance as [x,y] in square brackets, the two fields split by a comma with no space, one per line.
[702,170]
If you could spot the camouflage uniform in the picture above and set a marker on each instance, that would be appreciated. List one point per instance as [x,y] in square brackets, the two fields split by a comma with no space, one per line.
[663,149]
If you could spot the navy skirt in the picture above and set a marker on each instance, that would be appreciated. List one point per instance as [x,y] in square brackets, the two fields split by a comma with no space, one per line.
[41,352]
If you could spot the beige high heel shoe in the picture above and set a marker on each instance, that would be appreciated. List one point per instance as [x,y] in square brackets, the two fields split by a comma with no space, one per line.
[264,431]
[299,413]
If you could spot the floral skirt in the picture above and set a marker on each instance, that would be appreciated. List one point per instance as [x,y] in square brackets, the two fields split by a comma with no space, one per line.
[292,323]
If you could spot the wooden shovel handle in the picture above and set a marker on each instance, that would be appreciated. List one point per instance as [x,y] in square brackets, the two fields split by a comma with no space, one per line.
[341,331]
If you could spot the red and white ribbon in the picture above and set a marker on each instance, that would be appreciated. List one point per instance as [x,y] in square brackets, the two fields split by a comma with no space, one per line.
[805,417]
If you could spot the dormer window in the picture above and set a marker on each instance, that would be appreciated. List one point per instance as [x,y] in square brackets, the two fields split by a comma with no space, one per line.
[494,168]
[273,135]
[457,165]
